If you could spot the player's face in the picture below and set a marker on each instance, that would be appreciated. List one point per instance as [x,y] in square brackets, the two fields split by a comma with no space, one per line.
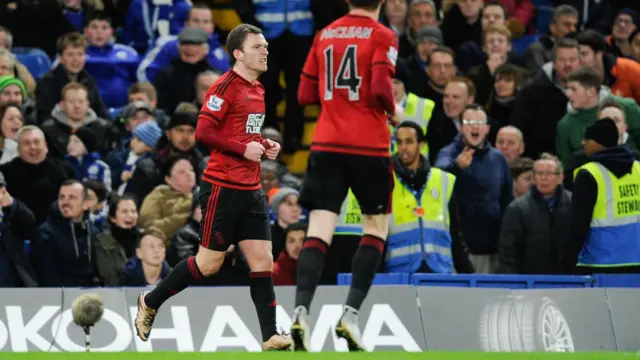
[254,53]
[408,145]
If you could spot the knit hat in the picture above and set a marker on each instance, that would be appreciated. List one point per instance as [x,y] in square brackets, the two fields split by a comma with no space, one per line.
[279,196]
[148,132]
[182,118]
[12,80]
[432,33]
[604,132]
[88,138]
[132,108]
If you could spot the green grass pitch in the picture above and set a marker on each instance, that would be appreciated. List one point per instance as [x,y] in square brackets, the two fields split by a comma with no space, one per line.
[321,356]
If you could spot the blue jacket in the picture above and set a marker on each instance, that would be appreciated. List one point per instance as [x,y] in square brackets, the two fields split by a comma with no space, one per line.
[146,22]
[486,190]
[134,274]
[114,69]
[167,49]
[76,18]
[91,168]
[277,16]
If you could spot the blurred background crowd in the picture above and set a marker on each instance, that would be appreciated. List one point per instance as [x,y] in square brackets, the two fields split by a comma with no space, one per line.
[99,102]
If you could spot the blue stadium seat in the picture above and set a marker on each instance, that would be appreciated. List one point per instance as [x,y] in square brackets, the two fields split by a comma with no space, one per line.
[502,281]
[521,44]
[543,18]
[36,60]
[617,280]
[380,279]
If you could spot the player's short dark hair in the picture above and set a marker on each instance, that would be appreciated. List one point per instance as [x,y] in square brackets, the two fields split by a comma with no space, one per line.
[365,4]
[412,125]
[587,78]
[96,15]
[71,182]
[236,38]
[592,39]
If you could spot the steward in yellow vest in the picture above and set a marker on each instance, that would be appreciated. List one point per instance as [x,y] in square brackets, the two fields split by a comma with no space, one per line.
[419,111]
[424,226]
[605,221]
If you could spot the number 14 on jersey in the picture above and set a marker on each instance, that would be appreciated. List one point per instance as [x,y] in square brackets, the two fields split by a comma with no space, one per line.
[347,76]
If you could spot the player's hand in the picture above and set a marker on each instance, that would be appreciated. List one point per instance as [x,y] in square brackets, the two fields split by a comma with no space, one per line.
[396,117]
[272,149]
[465,158]
[254,151]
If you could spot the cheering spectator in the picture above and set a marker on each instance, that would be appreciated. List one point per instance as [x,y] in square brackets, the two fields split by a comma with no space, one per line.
[148,266]
[82,154]
[167,48]
[117,242]
[168,206]
[522,175]
[509,142]
[62,253]
[564,21]
[72,51]
[284,269]
[536,226]
[17,225]
[113,66]
[72,113]
[11,121]
[12,91]
[421,14]
[33,177]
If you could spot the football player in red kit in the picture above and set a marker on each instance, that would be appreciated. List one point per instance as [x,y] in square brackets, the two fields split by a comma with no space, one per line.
[234,207]
[349,71]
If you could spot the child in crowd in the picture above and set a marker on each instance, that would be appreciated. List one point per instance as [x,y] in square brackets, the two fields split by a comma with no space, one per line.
[145,138]
[98,208]
[83,155]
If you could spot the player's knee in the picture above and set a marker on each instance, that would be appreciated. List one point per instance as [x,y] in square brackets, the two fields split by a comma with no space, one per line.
[376,225]
[260,261]
[209,262]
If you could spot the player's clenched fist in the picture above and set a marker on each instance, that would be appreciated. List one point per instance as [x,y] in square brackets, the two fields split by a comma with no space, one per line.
[272,148]
[254,151]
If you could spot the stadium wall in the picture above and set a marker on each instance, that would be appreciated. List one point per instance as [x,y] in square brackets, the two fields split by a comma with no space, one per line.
[401,317]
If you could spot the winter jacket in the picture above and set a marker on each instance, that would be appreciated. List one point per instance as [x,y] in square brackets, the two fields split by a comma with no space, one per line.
[17,225]
[133,273]
[184,243]
[534,233]
[539,53]
[176,83]
[622,76]
[92,168]
[113,67]
[485,190]
[167,209]
[113,247]
[284,270]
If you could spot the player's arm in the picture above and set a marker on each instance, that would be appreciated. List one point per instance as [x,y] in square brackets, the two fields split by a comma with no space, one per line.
[211,116]
[308,88]
[383,68]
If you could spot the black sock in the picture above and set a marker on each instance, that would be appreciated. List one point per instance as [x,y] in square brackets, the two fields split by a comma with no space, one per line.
[310,266]
[264,299]
[184,274]
[364,267]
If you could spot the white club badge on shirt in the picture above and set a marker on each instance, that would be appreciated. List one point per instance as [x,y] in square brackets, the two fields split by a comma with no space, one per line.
[214,103]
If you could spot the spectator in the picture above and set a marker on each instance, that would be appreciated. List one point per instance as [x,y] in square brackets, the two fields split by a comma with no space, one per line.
[620,74]
[123,163]
[269,179]
[181,135]
[10,66]
[507,79]
[564,21]
[284,204]
[496,42]
[536,226]
[77,11]
[168,206]
[186,241]
[603,235]
[148,266]
[421,14]
[623,26]
[284,269]
[130,117]
[11,121]
[82,154]
[113,66]
[70,115]
[462,23]
[167,49]
[62,253]
[585,97]
[12,91]
[145,22]
[543,102]
[484,182]
[118,241]
[522,175]
[33,177]
[416,109]
[147,93]
[414,67]
[509,142]
[17,225]
[175,83]
[436,227]
[72,51]
[440,70]
[395,15]
[97,203]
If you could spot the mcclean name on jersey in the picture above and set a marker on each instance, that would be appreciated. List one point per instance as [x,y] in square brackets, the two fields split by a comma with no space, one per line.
[344,32]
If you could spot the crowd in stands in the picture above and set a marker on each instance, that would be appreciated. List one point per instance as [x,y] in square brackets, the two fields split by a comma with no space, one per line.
[100,169]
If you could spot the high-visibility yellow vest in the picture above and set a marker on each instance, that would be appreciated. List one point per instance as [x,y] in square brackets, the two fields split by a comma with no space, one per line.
[419,111]
[419,226]
[614,239]
[350,217]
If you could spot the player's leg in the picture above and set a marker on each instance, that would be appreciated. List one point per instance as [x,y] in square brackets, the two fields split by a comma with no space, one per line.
[255,244]
[372,183]
[323,191]
[216,211]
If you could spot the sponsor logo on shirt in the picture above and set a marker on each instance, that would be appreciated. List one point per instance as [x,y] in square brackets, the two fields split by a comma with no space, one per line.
[254,123]
[392,54]
[214,103]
